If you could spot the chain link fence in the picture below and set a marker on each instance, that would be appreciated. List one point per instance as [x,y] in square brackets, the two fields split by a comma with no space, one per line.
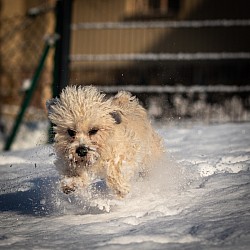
[21,43]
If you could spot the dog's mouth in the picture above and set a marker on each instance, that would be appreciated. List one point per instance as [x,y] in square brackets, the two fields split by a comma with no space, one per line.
[84,156]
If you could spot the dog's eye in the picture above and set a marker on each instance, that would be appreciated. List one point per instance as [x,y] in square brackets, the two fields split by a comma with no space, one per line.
[71,132]
[93,131]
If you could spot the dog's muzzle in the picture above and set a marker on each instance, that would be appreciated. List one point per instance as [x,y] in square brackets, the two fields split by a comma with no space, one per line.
[82,151]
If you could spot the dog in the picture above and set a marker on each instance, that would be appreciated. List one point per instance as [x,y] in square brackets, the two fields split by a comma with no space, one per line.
[108,138]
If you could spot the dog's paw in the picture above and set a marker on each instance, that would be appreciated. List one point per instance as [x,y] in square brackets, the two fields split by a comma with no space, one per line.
[71,184]
[121,190]
[67,189]
[122,193]
[68,185]
[118,185]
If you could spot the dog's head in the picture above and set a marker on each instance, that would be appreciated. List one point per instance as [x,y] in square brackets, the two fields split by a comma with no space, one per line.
[83,124]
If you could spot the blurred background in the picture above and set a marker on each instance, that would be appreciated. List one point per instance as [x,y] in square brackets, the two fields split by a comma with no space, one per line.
[186,60]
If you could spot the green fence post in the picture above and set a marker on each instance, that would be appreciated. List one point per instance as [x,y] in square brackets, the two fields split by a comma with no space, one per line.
[49,43]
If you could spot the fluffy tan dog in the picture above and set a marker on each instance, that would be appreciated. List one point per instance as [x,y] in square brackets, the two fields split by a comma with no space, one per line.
[100,137]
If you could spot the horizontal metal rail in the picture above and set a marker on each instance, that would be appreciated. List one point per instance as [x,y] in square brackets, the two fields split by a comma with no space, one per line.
[176,89]
[161,56]
[161,24]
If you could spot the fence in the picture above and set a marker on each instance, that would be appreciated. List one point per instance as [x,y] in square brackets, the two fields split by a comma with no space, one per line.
[164,48]
[160,42]
[169,55]
[22,39]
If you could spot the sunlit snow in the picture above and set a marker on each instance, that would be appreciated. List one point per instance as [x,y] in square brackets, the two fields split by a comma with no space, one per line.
[198,198]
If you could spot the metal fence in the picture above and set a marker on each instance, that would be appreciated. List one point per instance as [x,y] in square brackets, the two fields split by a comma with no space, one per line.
[173,58]
[22,39]
[201,64]
[114,46]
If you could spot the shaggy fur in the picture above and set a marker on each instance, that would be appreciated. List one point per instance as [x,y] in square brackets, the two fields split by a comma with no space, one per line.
[100,137]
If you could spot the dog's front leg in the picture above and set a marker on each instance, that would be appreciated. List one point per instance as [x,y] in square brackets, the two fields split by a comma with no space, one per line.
[116,181]
[70,183]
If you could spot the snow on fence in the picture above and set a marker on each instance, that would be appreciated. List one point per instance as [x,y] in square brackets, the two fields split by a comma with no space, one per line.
[176,89]
[192,102]
[161,56]
[161,24]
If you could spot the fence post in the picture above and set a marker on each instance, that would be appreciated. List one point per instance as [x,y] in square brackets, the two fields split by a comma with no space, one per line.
[62,50]
[61,58]
[49,43]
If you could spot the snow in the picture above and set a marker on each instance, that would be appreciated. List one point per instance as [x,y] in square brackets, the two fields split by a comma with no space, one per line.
[198,198]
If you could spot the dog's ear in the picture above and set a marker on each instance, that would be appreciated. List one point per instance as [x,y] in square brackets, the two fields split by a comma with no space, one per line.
[50,103]
[116,115]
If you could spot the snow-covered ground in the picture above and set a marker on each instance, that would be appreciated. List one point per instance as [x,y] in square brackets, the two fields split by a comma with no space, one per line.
[197,199]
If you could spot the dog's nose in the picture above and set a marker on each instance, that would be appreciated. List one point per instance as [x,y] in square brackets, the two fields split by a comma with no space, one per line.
[82,151]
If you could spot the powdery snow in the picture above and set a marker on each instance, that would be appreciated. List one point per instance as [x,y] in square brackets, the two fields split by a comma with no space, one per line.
[198,198]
